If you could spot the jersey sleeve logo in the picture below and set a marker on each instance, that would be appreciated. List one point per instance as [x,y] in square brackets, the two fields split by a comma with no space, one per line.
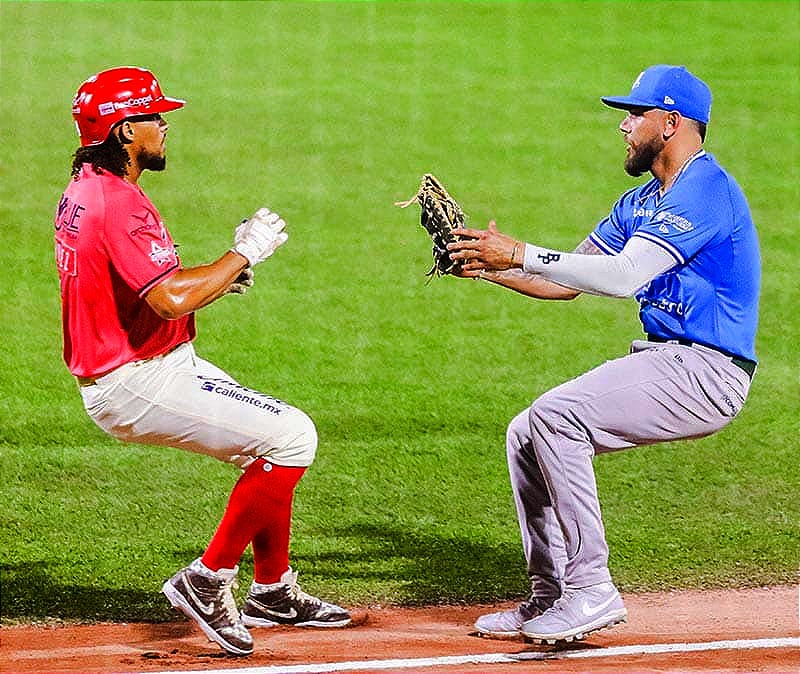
[160,255]
[677,221]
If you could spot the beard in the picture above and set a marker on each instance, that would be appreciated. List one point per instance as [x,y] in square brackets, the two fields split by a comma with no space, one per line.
[642,158]
[150,161]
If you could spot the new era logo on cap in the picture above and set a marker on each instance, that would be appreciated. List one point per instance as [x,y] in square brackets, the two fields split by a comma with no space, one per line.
[669,88]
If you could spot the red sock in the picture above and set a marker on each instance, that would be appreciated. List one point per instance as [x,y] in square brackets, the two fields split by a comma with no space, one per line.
[260,503]
[271,553]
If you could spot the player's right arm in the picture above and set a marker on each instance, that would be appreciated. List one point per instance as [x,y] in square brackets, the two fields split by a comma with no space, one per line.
[188,290]
[536,286]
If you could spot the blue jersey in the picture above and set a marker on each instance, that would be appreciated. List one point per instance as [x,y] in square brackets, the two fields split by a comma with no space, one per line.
[703,221]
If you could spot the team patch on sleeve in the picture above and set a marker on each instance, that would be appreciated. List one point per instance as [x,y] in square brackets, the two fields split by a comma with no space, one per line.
[148,253]
[676,222]
[161,255]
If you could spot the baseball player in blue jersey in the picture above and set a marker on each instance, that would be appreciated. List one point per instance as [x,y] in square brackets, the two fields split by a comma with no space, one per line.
[684,245]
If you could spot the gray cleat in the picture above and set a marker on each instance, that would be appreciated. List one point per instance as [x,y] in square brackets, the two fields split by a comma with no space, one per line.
[507,624]
[577,613]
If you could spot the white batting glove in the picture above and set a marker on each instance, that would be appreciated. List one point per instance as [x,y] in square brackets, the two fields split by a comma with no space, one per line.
[257,238]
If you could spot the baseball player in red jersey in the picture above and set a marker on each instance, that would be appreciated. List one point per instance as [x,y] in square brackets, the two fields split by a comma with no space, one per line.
[128,321]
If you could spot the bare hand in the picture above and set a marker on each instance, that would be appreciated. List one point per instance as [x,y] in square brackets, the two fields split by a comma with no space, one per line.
[487,249]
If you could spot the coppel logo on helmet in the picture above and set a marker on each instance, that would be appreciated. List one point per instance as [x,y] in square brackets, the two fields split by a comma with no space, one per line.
[112,106]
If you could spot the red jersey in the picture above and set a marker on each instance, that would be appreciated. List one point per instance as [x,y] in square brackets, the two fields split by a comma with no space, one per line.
[111,249]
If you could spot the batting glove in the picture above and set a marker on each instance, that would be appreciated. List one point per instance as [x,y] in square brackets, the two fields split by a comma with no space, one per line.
[257,238]
[241,283]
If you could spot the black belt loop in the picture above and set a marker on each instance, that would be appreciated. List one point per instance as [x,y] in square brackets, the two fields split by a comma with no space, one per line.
[748,366]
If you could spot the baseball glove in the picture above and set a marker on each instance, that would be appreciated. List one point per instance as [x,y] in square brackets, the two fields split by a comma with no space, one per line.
[440,215]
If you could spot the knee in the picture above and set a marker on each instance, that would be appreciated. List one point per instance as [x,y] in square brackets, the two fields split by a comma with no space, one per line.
[295,444]
[517,429]
[518,435]
[304,444]
[545,413]
[558,423]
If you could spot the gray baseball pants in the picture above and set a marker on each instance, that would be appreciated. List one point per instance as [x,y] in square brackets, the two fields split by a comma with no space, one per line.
[659,392]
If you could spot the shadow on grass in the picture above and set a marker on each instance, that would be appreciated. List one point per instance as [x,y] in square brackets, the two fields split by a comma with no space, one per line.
[413,568]
[34,591]
[426,568]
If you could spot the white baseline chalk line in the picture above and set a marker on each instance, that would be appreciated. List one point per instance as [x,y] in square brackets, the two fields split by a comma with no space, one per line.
[506,658]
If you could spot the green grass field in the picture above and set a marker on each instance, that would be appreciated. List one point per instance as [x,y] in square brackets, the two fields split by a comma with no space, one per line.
[328,113]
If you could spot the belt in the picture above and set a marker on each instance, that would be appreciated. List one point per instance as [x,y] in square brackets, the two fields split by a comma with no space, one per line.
[91,381]
[749,366]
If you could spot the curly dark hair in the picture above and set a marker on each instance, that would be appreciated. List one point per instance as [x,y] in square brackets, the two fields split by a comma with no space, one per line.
[109,156]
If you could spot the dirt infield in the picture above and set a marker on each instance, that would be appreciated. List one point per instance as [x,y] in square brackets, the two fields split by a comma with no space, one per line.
[766,614]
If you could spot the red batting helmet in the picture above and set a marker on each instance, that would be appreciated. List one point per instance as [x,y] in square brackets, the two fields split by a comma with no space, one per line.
[112,95]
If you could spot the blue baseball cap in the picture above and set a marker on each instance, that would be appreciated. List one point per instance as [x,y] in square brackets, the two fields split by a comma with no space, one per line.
[667,88]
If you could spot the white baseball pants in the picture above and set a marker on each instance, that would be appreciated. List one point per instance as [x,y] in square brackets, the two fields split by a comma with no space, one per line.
[180,400]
